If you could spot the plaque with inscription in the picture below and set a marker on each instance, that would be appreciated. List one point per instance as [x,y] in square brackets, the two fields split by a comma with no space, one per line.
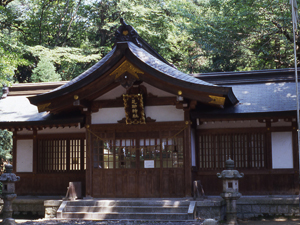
[134,109]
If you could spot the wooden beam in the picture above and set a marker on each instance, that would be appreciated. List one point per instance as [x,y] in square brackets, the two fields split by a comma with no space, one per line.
[155,101]
[118,102]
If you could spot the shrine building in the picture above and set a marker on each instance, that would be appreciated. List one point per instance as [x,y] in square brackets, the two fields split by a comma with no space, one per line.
[134,126]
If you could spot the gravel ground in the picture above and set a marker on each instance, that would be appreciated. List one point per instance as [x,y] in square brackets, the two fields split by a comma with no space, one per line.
[282,221]
[121,222]
[279,221]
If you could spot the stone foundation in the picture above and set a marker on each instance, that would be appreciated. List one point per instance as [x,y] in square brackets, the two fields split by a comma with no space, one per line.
[51,207]
[211,207]
[250,207]
[34,206]
[214,208]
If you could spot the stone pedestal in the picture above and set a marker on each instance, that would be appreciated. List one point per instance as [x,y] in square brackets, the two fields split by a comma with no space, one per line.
[7,206]
[230,193]
[231,209]
[8,221]
[8,180]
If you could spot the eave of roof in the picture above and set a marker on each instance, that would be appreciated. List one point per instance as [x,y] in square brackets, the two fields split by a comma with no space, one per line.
[248,77]
[16,111]
[31,89]
[256,99]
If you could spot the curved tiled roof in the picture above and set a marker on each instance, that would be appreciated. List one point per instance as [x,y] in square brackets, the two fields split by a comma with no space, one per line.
[164,72]
[163,67]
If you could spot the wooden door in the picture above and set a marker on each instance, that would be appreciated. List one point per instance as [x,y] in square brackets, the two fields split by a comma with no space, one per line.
[138,164]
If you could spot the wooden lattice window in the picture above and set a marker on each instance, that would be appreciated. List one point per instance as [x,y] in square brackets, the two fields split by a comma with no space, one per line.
[61,155]
[248,150]
[138,150]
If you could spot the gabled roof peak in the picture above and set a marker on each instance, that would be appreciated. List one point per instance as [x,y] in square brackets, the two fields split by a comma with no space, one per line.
[127,33]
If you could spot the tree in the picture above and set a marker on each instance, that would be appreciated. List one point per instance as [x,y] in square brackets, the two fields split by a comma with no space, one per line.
[5,146]
[5,2]
[66,61]
[194,35]
[241,35]
[45,71]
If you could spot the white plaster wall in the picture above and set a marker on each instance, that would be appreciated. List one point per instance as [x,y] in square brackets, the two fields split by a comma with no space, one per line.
[164,113]
[108,115]
[193,146]
[61,130]
[159,113]
[231,124]
[24,155]
[113,94]
[157,92]
[282,150]
[119,91]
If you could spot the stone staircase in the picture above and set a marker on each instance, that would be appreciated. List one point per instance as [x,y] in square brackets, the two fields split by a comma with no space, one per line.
[141,209]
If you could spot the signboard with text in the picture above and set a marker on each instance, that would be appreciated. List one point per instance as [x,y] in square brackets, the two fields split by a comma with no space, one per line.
[148,163]
[134,109]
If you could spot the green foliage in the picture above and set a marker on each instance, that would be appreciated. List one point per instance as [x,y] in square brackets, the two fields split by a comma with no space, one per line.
[11,57]
[241,35]
[11,50]
[69,62]
[45,71]
[194,35]
[5,146]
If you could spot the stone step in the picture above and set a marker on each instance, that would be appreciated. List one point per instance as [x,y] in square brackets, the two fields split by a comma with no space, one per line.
[137,209]
[159,210]
[106,203]
[126,216]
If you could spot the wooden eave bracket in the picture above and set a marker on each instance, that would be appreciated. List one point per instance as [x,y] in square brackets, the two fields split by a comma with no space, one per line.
[84,104]
[193,104]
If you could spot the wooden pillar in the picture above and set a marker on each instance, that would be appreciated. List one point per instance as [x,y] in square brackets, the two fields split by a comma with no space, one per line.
[295,157]
[14,151]
[269,157]
[188,158]
[89,161]
[35,152]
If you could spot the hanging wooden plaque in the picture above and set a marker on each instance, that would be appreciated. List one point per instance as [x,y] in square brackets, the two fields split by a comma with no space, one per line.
[134,109]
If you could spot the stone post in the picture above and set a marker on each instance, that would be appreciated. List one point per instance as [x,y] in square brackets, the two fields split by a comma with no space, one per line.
[230,193]
[8,180]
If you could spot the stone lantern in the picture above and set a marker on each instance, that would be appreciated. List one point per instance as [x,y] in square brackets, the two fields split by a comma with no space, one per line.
[8,180]
[230,193]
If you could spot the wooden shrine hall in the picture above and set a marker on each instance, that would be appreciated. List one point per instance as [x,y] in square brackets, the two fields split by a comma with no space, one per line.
[134,126]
